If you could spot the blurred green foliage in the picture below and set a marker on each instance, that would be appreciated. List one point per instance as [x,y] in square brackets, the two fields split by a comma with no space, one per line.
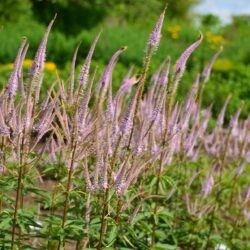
[13,11]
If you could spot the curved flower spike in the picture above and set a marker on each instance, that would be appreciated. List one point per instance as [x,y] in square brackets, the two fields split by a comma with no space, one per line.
[38,63]
[14,77]
[207,186]
[107,74]
[155,36]
[181,62]
[84,74]
[163,79]
[207,70]
[220,119]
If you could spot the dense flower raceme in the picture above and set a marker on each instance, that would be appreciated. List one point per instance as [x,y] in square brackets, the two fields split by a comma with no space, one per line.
[184,124]
[155,36]
[90,127]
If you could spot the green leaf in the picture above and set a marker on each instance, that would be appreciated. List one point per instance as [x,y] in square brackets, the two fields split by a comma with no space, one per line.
[112,235]
[160,246]
[5,223]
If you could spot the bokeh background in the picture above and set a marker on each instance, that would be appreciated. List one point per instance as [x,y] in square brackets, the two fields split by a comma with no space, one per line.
[128,22]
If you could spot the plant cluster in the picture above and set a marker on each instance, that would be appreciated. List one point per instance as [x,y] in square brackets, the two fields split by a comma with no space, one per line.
[84,167]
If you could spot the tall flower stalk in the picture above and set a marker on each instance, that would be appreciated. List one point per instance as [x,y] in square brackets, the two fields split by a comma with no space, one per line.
[179,69]
[153,43]
[222,165]
[24,136]
[118,158]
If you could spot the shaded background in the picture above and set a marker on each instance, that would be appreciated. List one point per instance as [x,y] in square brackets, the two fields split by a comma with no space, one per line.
[129,22]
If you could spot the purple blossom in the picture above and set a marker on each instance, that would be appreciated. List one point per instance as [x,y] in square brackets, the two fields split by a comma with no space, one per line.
[1,169]
[87,177]
[181,62]
[220,119]
[207,185]
[234,123]
[190,101]
[120,177]
[163,79]
[15,75]
[104,176]
[247,194]
[108,71]
[207,70]
[127,121]
[240,169]
[155,36]
[247,156]
[246,213]
[38,63]
[84,73]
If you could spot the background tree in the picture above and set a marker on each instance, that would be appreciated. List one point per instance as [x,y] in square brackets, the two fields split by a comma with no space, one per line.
[12,10]
[71,13]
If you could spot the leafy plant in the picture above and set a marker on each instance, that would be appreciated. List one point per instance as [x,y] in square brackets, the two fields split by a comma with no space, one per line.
[84,167]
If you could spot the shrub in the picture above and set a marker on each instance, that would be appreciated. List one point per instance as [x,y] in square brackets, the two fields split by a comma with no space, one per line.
[84,167]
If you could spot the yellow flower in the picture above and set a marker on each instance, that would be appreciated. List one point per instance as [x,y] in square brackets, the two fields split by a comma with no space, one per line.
[50,66]
[9,66]
[214,40]
[223,64]
[174,31]
[27,63]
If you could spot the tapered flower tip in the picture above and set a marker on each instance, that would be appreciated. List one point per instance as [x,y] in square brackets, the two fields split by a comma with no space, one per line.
[126,87]
[220,119]
[108,71]
[123,48]
[155,36]
[84,74]
[164,76]
[132,80]
[208,186]
[13,80]
[55,16]
[181,62]
[39,60]
[207,70]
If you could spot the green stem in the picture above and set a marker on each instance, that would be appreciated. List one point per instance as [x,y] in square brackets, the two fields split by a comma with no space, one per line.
[83,242]
[169,104]
[117,220]
[103,220]
[3,161]
[51,213]
[18,191]
[200,94]
[18,194]
[218,194]
[66,202]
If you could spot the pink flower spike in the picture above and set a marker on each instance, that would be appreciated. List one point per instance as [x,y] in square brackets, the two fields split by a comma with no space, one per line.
[246,214]
[240,169]
[220,119]
[155,36]
[84,74]
[163,80]
[207,186]
[38,63]
[105,79]
[235,118]
[207,70]
[181,62]
[14,78]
